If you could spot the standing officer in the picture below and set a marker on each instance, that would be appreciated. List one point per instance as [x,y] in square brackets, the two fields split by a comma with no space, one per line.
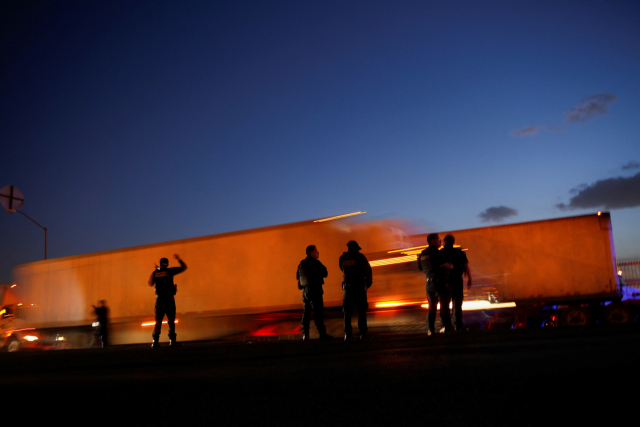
[310,275]
[357,279]
[165,302]
[102,313]
[432,262]
[458,260]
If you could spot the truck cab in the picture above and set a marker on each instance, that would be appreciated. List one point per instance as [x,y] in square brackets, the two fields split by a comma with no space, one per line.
[17,335]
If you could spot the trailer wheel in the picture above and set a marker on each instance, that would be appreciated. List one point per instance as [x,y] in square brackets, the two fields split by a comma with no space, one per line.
[617,314]
[549,322]
[576,316]
[13,346]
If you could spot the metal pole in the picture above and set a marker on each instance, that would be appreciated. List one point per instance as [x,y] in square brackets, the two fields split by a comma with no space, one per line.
[45,232]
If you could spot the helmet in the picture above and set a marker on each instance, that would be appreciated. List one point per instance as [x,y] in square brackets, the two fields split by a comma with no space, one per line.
[352,244]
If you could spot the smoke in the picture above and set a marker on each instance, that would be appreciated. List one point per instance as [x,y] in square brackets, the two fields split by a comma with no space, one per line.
[612,193]
[594,105]
[588,108]
[497,214]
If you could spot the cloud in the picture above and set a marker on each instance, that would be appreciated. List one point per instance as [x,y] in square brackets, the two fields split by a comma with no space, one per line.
[631,165]
[530,130]
[591,106]
[497,214]
[533,130]
[612,193]
[594,105]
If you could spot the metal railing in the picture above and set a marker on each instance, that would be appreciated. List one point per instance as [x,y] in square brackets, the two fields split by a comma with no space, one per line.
[630,272]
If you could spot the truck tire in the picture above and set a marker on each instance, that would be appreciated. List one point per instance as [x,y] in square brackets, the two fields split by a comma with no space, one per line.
[13,346]
[617,313]
[576,316]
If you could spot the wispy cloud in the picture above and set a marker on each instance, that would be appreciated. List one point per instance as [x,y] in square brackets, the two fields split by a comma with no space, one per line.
[631,165]
[529,130]
[588,108]
[612,193]
[497,214]
[533,130]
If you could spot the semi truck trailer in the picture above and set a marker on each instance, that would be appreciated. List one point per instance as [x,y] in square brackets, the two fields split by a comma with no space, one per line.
[559,271]
[230,279]
[243,282]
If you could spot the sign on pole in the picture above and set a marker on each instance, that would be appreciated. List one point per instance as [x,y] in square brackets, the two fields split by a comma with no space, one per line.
[11,198]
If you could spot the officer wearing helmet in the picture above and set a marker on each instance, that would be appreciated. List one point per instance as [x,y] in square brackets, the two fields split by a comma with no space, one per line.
[431,261]
[310,275]
[357,278]
[460,264]
[162,277]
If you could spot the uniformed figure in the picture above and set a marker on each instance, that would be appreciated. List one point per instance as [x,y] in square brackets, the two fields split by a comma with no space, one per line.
[458,260]
[432,262]
[102,314]
[310,275]
[162,277]
[357,279]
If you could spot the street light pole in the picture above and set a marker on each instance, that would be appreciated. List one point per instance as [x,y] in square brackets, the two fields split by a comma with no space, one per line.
[45,232]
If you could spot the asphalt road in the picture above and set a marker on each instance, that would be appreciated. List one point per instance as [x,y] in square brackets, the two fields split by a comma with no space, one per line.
[519,377]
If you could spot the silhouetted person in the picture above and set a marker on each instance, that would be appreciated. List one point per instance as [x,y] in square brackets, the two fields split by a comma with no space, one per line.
[310,275]
[165,298]
[432,262]
[102,313]
[458,260]
[357,278]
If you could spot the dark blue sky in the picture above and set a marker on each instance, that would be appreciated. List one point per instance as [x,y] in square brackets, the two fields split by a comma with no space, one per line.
[126,123]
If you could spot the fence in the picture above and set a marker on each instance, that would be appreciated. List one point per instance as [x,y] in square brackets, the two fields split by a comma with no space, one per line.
[630,272]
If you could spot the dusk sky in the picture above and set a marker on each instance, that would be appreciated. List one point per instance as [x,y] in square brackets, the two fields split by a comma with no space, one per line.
[127,123]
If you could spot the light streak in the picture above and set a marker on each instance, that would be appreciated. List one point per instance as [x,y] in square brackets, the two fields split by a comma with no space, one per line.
[13,286]
[339,216]
[396,303]
[417,249]
[153,323]
[18,330]
[30,338]
[407,249]
[389,261]
[479,305]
